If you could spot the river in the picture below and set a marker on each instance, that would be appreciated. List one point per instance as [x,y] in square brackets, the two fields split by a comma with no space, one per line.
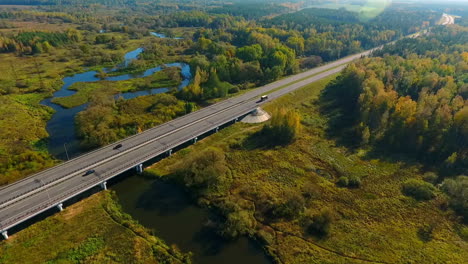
[164,207]
[63,139]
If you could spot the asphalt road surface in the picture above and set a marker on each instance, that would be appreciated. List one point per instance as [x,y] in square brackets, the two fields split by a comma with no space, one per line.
[28,197]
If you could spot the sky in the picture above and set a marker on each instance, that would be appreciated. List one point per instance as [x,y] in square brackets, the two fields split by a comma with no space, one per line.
[433,1]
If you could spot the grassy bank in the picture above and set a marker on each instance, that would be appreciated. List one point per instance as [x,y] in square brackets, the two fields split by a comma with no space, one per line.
[373,222]
[22,130]
[25,81]
[86,89]
[94,230]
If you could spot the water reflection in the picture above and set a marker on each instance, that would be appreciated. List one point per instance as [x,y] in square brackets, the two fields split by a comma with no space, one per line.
[161,35]
[61,127]
[169,210]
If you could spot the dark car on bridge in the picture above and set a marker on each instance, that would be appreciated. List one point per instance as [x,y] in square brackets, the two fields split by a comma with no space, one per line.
[117,146]
[89,172]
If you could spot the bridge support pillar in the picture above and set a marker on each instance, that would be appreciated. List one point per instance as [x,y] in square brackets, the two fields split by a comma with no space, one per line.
[235,120]
[195,140]
[5,234]
[139,168]
[217,129]
[169,152]
[60,206]
[104,185]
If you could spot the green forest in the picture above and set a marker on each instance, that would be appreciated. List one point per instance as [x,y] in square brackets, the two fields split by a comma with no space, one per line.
[412,100]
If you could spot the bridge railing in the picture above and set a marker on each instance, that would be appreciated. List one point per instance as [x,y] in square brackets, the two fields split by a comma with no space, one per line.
[50,203]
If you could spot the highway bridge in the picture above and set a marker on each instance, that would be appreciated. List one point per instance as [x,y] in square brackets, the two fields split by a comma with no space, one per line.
[48,189]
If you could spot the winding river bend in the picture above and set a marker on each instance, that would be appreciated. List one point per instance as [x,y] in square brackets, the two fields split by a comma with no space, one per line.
[61,127]
[161,206]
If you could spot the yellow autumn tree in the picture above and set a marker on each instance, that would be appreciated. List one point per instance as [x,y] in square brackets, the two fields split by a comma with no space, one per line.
[284,127]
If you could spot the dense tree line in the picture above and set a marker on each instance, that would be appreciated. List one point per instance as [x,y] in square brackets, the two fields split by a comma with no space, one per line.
[262,59]
[440,40]
[250,10]
[416,104]
[247,53]
[197,19]
[332,34]
[36,42]
[44,17]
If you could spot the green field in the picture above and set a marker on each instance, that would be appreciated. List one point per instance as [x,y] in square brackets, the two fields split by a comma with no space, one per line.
[372,223]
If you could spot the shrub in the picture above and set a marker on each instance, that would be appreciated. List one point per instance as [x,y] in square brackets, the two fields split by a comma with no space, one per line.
[430,177]
[463,232]
[425,233]
[310,191]
[291,207]
[284,126]
[319,225]
[206,171]
[234,89]
[418,189]
[457,189]
[343,181]
[239,222]
[89,247]
[354,182]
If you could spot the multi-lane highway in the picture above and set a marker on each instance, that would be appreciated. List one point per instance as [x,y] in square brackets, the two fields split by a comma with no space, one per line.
[26,198]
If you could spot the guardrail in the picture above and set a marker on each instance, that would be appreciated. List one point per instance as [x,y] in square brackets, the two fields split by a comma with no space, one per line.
[112,155]
[50,203]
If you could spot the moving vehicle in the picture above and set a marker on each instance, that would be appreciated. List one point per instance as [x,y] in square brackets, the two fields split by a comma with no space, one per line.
[117,146]
[89,172]
[263,97]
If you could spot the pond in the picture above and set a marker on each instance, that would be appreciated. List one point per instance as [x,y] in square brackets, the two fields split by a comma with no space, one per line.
[170,211]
